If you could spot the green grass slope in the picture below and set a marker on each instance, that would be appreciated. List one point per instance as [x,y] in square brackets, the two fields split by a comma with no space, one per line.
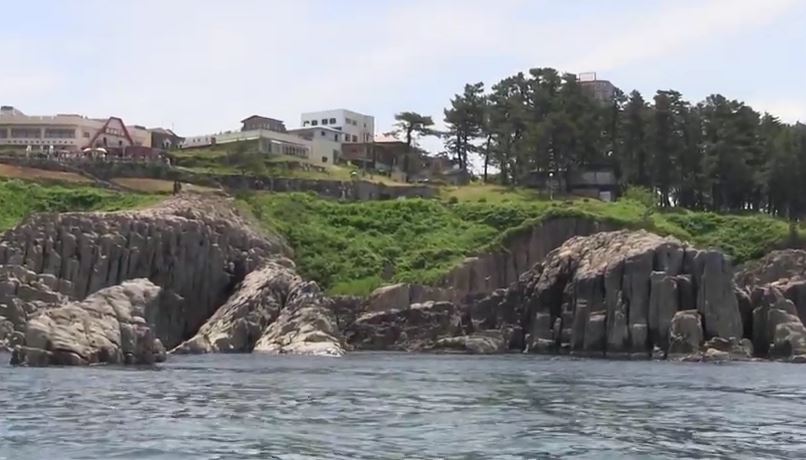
[18,199]
[352,248]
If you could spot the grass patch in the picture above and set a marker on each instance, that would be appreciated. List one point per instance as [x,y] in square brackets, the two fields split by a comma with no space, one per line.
[25,173]
[18,199]
[352,248]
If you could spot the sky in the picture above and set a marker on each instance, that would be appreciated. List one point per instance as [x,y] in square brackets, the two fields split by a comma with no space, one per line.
[200,66]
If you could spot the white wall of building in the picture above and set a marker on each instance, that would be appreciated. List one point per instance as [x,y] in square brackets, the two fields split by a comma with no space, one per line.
[359,127]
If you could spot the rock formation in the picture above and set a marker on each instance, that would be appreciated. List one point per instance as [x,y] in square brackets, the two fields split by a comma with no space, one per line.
[273,311]
[197,250]
[414,327]
[774,289]
[109,327]
[620,294]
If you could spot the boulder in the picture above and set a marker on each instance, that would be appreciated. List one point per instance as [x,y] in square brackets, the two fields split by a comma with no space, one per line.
[714,355]
[306,325]
[238,324]
[392,297]
[737,349]
[685,334]
[107,327]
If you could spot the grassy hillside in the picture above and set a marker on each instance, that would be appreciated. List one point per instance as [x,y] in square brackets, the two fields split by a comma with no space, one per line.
[18,199]
[351,248]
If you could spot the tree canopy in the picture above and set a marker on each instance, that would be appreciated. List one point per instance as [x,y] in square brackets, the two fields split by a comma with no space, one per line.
[717,155]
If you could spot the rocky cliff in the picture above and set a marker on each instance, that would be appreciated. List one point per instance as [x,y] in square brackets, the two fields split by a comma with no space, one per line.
[198,251]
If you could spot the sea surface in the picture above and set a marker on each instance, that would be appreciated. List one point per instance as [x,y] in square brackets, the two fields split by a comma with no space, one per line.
[403,406]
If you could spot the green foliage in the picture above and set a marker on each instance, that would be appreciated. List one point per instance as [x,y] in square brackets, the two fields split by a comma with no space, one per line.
[18,199]
[352,248]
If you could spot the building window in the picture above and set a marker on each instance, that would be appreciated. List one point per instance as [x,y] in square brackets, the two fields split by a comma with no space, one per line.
[314,123]
[332,121]
[26,133]
[306,123]
[355,138]
[324,121]
[324,159]
[324,133]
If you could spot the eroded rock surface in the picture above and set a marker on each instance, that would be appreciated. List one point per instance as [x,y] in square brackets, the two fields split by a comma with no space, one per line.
[107,327]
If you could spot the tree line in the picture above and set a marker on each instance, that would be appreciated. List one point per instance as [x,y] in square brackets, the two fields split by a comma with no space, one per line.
[717,155]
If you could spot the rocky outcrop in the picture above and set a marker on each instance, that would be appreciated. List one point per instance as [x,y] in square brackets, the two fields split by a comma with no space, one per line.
[107,327]
[416,327]
[22,294]
[274,311]
[306,325]
[774,290]
[685,334]
[618,293]
[238,324]
[483,342]
[197,248]
[498,269]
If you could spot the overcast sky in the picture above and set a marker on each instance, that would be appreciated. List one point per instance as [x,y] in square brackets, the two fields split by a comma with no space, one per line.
[200,66]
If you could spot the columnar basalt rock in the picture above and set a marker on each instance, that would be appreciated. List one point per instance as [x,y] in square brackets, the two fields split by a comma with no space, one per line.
[618,293]
[197,248]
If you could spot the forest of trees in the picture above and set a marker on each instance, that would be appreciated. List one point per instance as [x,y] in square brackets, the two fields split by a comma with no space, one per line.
[717,155]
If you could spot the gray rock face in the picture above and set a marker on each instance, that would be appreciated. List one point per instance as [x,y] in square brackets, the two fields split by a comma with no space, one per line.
[238,324]
[197,248]
[617,293]
[107,327]
[414,328]
[685,334]
[306,325]
[736,349]
[22,294]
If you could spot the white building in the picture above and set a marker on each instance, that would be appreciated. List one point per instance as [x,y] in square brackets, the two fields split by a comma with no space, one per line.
[355,126]
[68,131]
[269,142]
[325,143]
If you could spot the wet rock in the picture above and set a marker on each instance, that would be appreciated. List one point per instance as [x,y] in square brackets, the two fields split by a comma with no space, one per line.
[714,355]
[482,342]
[737,349]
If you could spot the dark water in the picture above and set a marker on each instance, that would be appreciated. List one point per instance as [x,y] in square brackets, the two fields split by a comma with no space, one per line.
[404,406]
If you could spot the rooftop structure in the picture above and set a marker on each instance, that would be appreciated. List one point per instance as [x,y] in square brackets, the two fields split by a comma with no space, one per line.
[356,127]
[601,90]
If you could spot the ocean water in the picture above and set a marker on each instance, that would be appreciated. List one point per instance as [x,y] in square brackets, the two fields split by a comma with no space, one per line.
[403,406]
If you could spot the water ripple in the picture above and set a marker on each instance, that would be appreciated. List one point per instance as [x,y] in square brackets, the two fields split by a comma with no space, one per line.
[397,406]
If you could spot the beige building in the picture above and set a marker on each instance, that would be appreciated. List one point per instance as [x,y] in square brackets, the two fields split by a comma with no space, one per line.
[68,131]
[325,143]
[269,142]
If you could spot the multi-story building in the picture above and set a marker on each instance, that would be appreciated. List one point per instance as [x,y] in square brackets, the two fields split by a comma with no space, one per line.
[355,126]
[325,143]
[257,122]
[601,90]
[269,142]
[68,131]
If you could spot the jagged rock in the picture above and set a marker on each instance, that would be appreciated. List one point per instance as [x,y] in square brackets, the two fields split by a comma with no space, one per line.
[239,323]
[777,328]
[789,264]
[685,334]
[416,327]
[617,293]
[737,349]
[195,247]
[482,342]
[107,327]
[306,325]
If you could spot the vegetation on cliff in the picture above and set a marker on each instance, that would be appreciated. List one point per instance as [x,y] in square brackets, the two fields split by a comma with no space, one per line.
[18,199]
[352,248]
